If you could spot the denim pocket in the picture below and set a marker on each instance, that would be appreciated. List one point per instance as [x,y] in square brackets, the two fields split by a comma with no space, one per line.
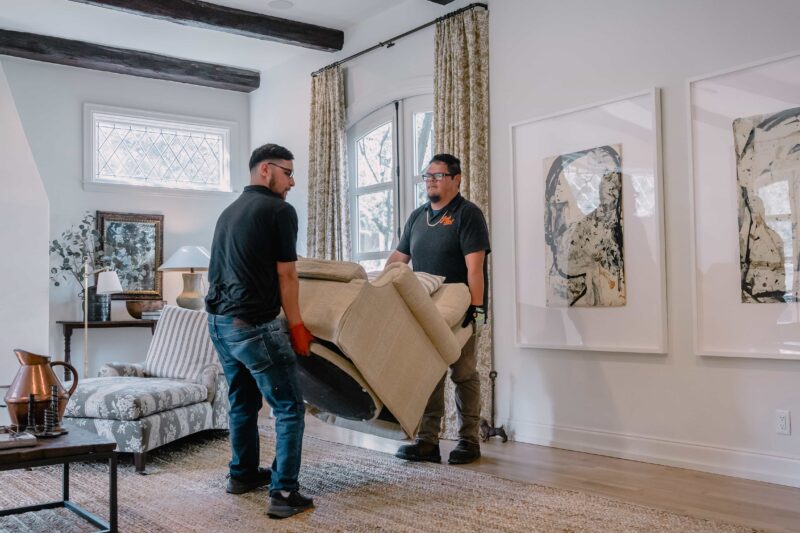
[279,346]
[252,352]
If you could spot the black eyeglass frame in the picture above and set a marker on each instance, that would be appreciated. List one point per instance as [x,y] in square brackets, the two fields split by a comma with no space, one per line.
[289,171]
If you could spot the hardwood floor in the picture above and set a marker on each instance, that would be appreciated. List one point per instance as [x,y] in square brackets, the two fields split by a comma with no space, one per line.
[750,503]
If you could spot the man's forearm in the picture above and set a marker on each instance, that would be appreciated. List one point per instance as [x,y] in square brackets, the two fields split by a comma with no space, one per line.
[397,257]
[475,284]
[290,297]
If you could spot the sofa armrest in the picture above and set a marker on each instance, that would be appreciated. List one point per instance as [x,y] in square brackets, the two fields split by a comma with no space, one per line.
[219,407]
[208,376]
[110,370]
[426,313]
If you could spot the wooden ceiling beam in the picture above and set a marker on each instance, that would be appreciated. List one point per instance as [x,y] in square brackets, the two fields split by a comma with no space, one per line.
[124,61]
[215,17]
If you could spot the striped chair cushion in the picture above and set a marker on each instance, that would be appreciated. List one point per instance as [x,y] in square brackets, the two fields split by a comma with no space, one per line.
[430,282]
[181,346]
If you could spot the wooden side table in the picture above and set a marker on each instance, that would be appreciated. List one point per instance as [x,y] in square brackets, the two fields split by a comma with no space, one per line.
[70,325]
[77,446]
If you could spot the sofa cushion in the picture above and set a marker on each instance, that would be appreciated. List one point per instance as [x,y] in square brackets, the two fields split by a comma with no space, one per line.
[181,346]
[452,299]
[131,398]
[329,270]
[430,282]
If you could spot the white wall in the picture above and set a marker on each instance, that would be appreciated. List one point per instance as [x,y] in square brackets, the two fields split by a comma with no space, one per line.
[50,101]
[714,414]
[24,229]
[280,108]
[709,414]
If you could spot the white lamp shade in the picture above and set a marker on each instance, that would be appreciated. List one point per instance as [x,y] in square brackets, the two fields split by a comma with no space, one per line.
[108,283]
[188,258]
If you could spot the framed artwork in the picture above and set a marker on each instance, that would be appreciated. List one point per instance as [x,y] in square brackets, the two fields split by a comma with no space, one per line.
[745,145]
[133,245]
[588,228]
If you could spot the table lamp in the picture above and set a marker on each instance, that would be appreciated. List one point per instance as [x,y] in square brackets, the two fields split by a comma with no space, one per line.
[107,283]
[193,259]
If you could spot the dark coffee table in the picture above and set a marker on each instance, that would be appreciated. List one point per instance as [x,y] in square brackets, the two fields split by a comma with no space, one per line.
[77,446]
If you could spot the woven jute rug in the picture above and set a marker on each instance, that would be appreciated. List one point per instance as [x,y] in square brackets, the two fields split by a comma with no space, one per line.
[354,490]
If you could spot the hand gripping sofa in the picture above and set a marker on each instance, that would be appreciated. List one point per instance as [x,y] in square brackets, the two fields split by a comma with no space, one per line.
[178,390]
[382,346]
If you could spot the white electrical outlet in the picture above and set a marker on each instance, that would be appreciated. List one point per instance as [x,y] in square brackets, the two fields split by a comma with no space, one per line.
[783,422]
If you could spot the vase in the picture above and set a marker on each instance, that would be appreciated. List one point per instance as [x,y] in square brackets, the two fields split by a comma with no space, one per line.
[33,382]
[98,308]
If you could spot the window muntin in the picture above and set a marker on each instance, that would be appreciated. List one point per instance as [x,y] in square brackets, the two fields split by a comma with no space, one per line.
[152,150]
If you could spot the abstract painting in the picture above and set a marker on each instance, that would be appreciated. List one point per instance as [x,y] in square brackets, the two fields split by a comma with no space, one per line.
[768,179]
[583,228]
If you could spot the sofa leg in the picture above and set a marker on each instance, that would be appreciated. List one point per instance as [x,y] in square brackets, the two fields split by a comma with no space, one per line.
[139,461]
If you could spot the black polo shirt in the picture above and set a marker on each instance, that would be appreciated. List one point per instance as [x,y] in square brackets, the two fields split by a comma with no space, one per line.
[253,233]
[437,244]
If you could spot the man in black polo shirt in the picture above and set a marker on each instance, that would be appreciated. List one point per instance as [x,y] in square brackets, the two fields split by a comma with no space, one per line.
[251,276]
[448,237]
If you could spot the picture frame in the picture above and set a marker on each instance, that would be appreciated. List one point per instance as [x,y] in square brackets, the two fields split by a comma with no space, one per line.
[633,320]
[733,210]
[134,246]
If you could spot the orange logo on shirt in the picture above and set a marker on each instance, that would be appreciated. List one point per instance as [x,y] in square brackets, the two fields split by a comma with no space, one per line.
[446,220]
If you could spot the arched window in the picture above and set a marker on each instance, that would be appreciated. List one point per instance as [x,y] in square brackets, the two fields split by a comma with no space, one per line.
[387,153]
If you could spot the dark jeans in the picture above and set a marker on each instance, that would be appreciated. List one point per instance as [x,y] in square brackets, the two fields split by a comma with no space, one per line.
[258,360]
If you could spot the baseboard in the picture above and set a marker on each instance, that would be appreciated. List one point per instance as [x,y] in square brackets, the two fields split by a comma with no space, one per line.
[748,464]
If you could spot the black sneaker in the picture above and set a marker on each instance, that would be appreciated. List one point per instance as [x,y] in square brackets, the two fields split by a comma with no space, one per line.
[465,452]
[281,506]
[420,451]
[237,485]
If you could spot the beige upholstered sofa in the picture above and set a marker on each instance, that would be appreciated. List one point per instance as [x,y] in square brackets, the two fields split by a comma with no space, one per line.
[382,345]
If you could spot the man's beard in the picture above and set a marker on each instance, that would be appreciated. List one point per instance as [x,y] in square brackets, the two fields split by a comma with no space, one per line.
[434,198]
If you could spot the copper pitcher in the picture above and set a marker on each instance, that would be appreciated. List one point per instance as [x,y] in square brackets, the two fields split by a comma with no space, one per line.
[36,377]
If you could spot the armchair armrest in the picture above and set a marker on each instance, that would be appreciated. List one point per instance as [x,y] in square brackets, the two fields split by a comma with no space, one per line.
[219,407]
[208,376]
[122,369]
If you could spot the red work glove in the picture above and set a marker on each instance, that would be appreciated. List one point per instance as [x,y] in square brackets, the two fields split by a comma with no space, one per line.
[301,339]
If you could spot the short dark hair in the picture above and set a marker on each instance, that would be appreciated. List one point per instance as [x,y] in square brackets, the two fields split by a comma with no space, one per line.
[453,163]
[269,151]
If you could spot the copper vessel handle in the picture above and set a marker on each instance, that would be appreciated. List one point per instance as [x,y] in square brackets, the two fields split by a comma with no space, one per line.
[74,374]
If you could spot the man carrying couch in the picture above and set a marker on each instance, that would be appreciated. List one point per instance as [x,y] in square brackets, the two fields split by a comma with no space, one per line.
[251,276]
[448,237]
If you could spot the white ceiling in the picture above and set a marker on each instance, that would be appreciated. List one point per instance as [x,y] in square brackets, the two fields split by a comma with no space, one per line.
[71,20]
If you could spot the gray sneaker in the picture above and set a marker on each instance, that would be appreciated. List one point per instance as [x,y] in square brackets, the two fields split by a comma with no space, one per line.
[237,485]
[281,506]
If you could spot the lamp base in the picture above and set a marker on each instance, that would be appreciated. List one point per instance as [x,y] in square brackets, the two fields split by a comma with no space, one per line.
[192,295]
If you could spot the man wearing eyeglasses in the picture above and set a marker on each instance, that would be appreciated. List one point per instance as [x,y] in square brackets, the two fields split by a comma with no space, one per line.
[448,237]
[251,276]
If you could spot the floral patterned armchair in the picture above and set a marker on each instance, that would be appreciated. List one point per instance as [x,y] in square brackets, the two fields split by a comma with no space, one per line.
[177,391]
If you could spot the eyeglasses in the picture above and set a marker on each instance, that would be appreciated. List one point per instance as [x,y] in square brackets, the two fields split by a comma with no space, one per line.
[289,171]
[436,176]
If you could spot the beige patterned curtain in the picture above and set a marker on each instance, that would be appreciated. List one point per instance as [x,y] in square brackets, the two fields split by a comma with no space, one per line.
[328,214]
[461,128]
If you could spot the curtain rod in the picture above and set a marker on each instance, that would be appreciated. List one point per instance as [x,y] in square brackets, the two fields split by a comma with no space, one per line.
[389,43]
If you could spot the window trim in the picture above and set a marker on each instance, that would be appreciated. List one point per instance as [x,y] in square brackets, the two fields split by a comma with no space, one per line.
[230,141]
[398,112]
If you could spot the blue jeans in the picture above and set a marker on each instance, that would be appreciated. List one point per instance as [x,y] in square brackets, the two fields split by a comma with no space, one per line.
[258,360]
